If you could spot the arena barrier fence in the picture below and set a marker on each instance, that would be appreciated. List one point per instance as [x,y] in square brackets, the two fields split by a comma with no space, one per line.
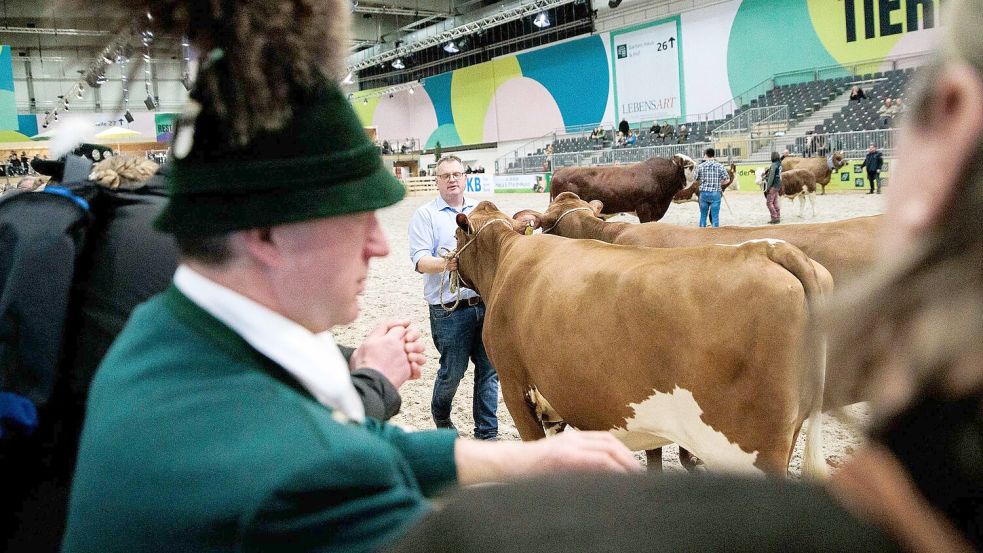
[420,185]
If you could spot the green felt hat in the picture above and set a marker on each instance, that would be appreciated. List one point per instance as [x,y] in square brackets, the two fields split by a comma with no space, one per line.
[319,164]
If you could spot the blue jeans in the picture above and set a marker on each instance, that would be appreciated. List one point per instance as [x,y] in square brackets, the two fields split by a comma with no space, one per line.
[457,336]
[710,201]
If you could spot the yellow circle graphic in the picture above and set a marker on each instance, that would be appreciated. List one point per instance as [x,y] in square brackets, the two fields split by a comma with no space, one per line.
[887,20]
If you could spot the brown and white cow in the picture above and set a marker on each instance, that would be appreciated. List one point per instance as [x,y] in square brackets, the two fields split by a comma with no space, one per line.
[796,183]
[845,248]
[601,337]
[822,167]
[645,188]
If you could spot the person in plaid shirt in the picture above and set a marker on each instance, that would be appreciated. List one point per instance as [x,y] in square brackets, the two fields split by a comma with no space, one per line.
[711,175]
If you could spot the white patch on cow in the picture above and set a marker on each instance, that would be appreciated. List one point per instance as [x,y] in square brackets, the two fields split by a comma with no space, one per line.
[674,417]
[770,241]
[759,176]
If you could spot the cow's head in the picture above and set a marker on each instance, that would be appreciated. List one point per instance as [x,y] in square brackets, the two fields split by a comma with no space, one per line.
[567,207]
[688,165]
[759,176]
[838,160]
[486,220]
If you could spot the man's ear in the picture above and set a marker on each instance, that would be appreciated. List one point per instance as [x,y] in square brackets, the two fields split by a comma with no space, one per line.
[597,206]
[463,223]
[260,245]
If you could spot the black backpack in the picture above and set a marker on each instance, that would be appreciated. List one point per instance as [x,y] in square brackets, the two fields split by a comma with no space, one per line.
[74,262]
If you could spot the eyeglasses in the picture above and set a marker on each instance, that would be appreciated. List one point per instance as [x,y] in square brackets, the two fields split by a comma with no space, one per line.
[450,176]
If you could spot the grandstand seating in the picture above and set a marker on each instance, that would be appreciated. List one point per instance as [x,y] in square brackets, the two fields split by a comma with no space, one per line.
[802,99]
[862,115]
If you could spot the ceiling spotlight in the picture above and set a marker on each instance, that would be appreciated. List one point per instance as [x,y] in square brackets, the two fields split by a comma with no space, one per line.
[186,81]
[451,48]
[398,64]
[614,3]
[542,20]
[349,78]
[390,94]
[365,101]
[79,95]
[412,91]
[101,79]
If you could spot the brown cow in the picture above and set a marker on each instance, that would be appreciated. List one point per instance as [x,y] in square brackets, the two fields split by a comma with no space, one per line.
[600,337]
[645,188]
[845,248]
[796,183]
[822,167]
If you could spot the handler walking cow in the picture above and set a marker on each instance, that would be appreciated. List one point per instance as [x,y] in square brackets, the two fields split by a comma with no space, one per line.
[590,334]
[645,188]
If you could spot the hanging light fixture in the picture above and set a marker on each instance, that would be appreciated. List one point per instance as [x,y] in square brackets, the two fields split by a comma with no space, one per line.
[398,64]
[542,20]
[349,78]
[451,48]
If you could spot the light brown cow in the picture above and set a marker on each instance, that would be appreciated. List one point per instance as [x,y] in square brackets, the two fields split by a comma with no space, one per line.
[602,337]
[822,167]
[796,183]
[845,248]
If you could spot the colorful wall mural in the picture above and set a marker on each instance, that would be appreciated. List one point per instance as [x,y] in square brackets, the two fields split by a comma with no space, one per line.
[730,48]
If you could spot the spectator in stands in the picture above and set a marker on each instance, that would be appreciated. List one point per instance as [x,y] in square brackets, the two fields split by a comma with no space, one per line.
[683,134]
[655,128]
[899,106]
[885,114]
[785,153]
[387,148]
[623,127]
[873,163]
[666,132]
[857,94]
[619,141]
[597,133]
[631,139]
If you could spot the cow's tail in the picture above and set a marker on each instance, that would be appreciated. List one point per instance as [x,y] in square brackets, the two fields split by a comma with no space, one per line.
[817,283]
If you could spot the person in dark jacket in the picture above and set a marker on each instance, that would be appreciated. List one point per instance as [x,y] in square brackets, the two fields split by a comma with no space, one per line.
[873,162]
[624,127]
[774,189]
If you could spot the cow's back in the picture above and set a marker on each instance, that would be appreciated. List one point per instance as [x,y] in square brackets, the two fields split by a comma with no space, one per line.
[846,248]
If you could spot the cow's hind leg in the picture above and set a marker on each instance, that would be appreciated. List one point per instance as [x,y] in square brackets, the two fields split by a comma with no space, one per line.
[812,202]
[688,460]
[522,411]
[654,459]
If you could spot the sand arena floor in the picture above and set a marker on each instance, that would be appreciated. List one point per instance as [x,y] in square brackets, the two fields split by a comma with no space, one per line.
[394,289]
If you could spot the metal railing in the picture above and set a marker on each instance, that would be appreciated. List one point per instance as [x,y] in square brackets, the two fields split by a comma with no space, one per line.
[853,145]
[755,122]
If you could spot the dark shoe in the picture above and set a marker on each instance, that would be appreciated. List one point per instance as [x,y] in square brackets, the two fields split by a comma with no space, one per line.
[445,424]
[486,438]
[774,221]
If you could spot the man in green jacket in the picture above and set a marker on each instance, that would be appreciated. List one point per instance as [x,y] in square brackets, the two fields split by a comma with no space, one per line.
[224,416]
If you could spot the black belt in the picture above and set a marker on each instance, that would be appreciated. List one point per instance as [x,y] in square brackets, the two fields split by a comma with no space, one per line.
[465,302]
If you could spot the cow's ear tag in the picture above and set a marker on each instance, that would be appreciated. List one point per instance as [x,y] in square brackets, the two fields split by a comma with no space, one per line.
[528,231]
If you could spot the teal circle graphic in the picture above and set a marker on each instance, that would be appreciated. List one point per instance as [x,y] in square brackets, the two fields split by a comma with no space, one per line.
[769,37]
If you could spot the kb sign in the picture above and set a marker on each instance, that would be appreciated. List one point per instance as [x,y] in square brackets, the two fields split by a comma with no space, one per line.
[480,184]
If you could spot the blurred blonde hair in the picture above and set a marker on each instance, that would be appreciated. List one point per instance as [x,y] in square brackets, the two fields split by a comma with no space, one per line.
[921,316]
